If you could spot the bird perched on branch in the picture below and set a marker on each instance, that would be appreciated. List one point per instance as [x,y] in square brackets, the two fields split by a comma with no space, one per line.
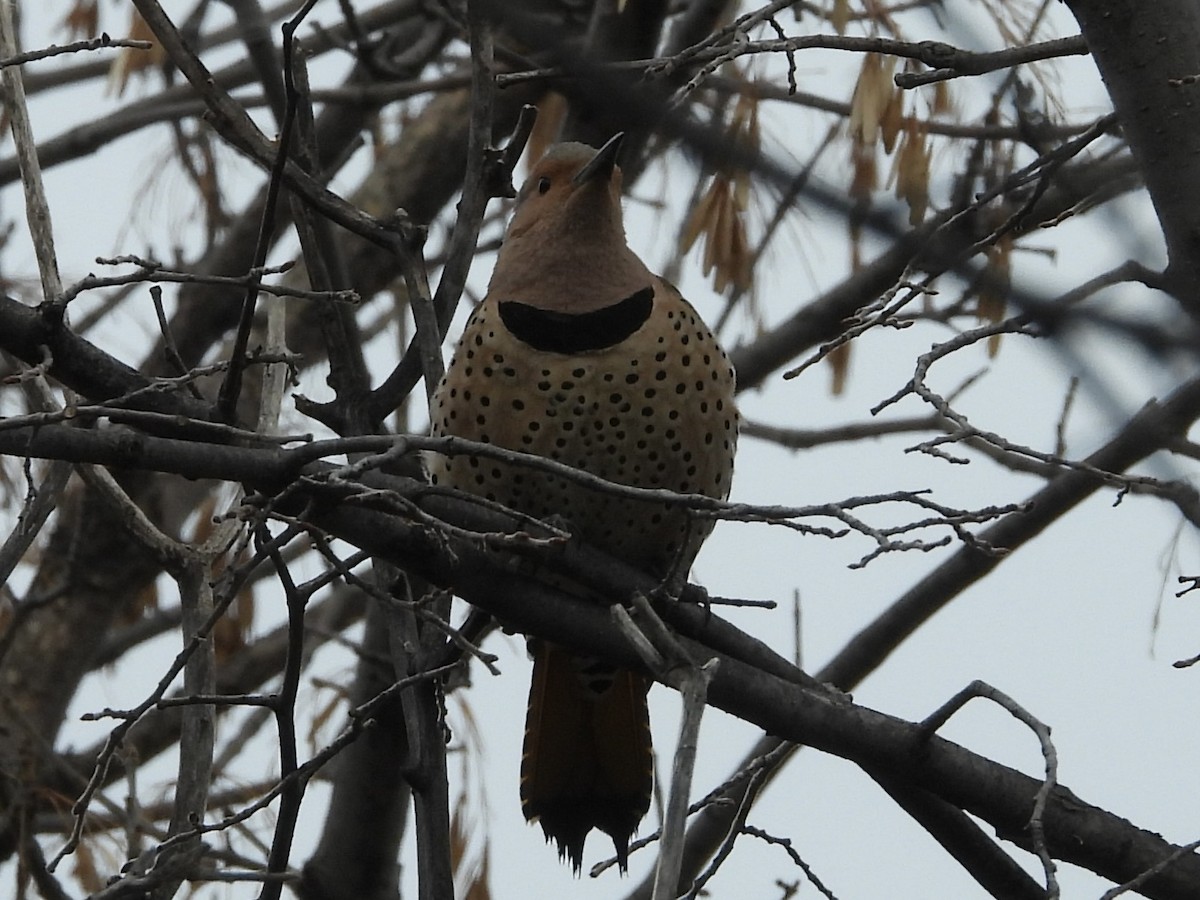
[580,354]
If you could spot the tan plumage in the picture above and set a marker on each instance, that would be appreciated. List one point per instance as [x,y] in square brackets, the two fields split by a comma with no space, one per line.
[580,354]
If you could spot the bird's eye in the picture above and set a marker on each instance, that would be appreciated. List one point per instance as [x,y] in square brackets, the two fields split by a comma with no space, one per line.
[543,184]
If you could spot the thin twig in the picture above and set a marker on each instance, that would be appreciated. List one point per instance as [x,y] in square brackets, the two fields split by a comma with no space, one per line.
[103,42]
[37,209]
[670,663]
[1036,830]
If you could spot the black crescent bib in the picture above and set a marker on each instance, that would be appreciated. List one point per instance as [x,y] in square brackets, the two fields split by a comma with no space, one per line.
[559,332]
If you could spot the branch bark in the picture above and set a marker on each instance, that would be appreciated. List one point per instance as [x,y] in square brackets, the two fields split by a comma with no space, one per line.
[1149,56]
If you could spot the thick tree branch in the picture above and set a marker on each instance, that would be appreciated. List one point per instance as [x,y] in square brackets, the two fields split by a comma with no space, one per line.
[1149,55]
[780,703]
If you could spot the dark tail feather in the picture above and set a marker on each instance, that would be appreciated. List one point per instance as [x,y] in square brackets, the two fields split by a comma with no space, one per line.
[588,761]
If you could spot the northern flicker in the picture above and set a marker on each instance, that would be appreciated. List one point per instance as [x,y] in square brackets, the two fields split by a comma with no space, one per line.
[580,354]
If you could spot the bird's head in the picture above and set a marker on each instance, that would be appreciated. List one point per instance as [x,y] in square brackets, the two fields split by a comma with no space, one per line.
[565,247]
[572,186]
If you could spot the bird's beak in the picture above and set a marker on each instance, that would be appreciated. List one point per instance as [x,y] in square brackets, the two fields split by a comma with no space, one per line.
[600,167]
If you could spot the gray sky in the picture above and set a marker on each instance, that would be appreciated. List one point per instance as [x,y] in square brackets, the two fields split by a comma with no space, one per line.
[1065,626]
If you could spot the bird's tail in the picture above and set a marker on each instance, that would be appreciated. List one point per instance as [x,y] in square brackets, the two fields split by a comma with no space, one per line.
[588,761]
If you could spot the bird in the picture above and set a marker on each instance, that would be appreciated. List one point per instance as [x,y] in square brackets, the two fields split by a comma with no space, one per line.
[580,354]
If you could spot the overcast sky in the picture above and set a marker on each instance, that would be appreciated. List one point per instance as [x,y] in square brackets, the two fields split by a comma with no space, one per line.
[1065,626]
